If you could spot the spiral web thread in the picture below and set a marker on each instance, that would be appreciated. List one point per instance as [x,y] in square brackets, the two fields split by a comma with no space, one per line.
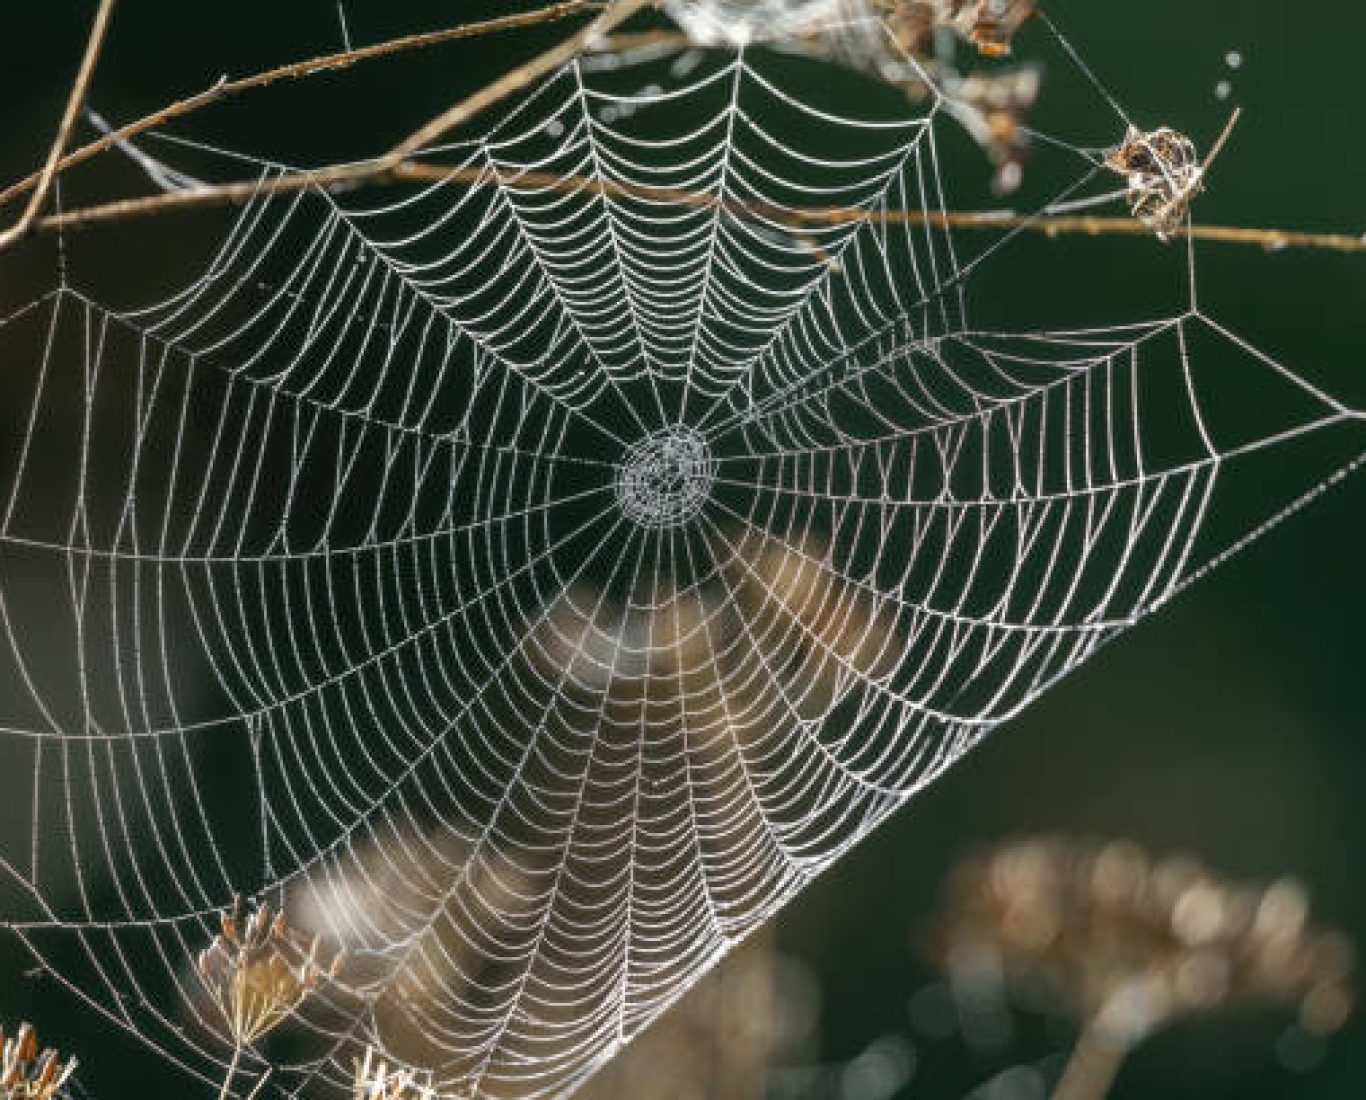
[532,590]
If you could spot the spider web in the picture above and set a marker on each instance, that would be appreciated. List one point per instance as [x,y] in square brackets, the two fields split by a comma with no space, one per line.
[532,584]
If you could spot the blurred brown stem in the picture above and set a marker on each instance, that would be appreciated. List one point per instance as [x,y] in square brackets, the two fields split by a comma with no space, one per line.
[1095,1063]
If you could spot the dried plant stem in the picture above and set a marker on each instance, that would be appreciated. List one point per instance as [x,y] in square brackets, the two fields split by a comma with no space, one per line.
[795,219]
[653,42]
[1273,240]
[1221,141]
[299,70]
[43,182]
[1095,1063]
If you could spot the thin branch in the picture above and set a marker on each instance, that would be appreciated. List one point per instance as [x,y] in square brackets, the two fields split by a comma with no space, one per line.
[98,31]
[1273,240]
[792,218]
[299,70]
[1221,141]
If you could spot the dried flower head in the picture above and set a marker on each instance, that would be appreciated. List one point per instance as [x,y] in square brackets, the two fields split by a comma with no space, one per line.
[1163,175]
[27,1075]
[376,1081]
[1133,944]
[260,971]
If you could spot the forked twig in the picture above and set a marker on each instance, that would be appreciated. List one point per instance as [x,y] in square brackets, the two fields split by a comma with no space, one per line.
[379,170]
[43,183]
[299,70]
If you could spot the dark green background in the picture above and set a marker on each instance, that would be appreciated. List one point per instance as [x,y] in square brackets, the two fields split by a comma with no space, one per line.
[1231,726]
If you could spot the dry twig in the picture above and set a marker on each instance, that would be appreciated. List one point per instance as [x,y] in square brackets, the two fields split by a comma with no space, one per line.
[79,87]
[514,81]
[790,217]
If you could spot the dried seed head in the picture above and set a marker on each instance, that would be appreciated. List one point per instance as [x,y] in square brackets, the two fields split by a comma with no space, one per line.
[1163,175]
[27,1075]
[262,975]
[1133,944]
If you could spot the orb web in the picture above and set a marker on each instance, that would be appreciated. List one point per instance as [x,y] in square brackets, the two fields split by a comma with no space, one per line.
[532,586]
